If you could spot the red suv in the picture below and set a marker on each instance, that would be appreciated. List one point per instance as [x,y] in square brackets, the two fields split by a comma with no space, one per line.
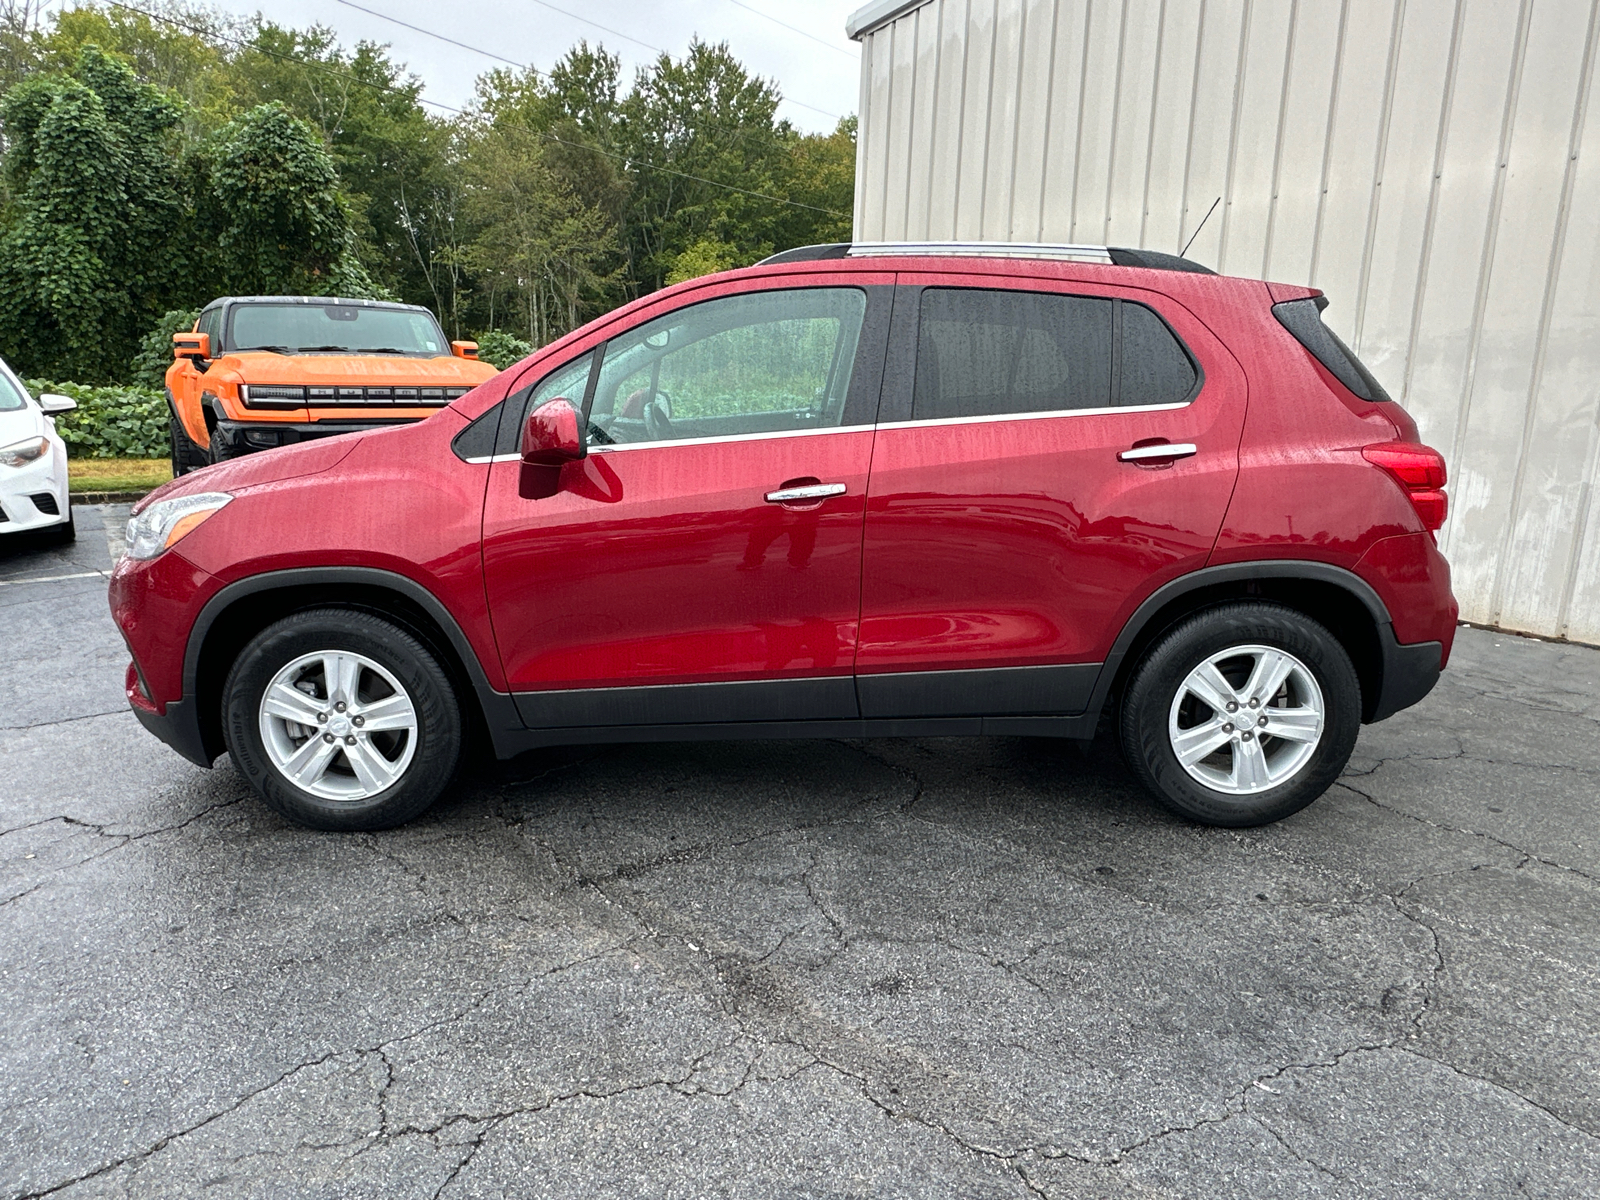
[855,490]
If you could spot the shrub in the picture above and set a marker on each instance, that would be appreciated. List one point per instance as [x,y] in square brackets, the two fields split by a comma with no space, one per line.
[501,349]
[111,422]
[155,348]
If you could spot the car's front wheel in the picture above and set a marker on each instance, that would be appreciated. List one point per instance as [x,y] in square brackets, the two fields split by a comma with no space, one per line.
[1242,714]
[341,721]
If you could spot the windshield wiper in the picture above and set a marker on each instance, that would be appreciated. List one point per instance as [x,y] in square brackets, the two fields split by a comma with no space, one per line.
[304,349]
[274,349]
[383,350]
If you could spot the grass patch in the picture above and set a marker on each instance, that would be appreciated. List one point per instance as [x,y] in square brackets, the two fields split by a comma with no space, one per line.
[117,474]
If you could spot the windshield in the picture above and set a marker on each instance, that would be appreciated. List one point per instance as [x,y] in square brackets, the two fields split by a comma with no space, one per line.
[11,397]
[335,328]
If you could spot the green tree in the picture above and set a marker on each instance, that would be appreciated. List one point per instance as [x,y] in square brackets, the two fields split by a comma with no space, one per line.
[86,256]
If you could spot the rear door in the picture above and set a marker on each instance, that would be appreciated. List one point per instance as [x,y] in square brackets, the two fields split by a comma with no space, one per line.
[703,563]
[1047,455]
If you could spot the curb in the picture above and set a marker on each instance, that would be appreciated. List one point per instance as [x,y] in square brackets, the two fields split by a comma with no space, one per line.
[108,497]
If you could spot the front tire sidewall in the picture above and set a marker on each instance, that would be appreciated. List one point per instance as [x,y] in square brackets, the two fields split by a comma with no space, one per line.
[1148,700]
[438,732]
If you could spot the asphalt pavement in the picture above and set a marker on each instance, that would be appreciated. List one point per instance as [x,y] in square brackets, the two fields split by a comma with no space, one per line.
[931,968]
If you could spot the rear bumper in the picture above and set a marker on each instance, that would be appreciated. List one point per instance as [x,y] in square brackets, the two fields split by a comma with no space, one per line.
[245,436]
[1409,673]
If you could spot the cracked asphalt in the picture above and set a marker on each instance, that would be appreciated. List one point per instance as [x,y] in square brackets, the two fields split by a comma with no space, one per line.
[942,968]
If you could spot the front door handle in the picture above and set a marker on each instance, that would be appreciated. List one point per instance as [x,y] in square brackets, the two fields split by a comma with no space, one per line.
[1161,451]
[809,492]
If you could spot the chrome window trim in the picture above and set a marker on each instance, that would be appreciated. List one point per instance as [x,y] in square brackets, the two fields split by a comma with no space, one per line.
[728,437]
[1038,416]
[1042,250]
[493,458]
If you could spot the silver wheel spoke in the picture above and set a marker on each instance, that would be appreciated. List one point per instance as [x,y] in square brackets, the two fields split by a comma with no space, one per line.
[1249,766]
[390,713]
[291,704]
[1207,683]
[1267,676]
[341,673]
[309,763]
[373,770]
[1194,744]
[1292,724]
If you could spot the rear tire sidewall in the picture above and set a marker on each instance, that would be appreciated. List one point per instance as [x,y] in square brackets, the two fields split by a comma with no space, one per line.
[438,733]
[1147,704]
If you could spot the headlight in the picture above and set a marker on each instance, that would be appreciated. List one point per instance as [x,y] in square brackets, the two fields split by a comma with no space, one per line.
[164,523]
[22,453]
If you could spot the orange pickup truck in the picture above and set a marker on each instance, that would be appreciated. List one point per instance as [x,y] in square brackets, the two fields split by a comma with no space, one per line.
[264,371]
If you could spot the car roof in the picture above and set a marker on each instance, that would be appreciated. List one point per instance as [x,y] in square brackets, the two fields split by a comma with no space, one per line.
[341,301]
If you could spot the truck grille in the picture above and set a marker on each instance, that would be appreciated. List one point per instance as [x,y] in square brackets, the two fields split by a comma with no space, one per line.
[276,395]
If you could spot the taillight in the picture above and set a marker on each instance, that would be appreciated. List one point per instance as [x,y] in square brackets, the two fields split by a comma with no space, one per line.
[1420,470]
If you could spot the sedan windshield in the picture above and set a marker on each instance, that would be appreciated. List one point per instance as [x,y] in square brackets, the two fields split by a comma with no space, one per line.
[11,397]
[335,328]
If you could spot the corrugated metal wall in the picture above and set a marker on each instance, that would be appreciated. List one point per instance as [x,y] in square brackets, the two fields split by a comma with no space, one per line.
[1433,165]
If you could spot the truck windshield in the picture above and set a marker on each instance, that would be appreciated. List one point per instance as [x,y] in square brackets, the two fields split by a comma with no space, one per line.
[335,328]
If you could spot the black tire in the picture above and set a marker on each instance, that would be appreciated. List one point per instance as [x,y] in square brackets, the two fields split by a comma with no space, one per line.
[222,449]
[438,718]
[63,535]
[1154,686]
[186,455]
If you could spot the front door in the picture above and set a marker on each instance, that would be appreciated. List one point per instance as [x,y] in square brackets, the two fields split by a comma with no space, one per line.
[703,563]
[1021,501]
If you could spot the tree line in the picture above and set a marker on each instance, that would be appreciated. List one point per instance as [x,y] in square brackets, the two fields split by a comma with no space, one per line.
[158,156]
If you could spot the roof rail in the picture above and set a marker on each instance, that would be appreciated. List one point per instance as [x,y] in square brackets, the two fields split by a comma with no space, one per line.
[1104,255]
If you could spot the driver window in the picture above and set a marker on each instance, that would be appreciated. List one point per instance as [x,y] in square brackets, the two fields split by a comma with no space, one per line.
[761,362]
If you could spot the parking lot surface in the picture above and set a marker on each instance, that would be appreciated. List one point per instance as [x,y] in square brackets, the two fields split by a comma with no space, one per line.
[942,968]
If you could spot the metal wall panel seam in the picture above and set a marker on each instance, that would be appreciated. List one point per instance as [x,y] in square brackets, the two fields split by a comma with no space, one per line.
[1586,504]
[911,118]
[1277,147]
[866,124]
[1379,162]
[1188,146]
[933,109]
[1425,253]
[961,123]
[1241,65]
[1490,235]
[1077,149]
[1049,112]
[1546,310]
[988,124]
[1150,139]
[1116,118]
[888,32]
[1327,141]
[1016,124]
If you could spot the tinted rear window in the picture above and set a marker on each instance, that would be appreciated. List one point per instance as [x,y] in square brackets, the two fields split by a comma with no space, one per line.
[1303,318]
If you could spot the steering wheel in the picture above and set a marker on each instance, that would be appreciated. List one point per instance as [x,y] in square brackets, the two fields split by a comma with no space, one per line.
[658,418]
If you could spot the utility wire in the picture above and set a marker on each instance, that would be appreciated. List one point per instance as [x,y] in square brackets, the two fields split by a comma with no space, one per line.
[372,12]
[791,29]
[625,160]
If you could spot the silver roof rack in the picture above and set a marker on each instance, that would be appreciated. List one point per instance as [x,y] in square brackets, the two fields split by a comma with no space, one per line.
[1051,250]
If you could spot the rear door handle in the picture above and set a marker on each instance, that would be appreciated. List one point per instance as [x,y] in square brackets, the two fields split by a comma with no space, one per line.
[811,491]
[1162,450]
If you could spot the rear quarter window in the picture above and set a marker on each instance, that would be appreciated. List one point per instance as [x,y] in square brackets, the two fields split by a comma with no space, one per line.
[1303,318]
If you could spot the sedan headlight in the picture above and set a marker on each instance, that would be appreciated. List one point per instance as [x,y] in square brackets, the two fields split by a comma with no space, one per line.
[166,522]
[21,454]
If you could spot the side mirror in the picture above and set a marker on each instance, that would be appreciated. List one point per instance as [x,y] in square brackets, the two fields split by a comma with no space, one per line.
[194,346]
[52,402]
[464,349]
[552,437]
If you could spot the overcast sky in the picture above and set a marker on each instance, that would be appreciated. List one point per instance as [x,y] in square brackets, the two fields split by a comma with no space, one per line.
[822,74]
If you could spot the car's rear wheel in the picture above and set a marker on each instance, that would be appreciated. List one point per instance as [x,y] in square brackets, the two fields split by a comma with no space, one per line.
[342,721]
[1242,714]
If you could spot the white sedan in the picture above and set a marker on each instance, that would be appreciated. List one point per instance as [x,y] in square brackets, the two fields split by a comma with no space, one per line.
[33,461]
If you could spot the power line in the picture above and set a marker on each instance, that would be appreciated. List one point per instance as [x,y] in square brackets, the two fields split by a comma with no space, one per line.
[597,25]
[791,29]
[372,12]
[625,160]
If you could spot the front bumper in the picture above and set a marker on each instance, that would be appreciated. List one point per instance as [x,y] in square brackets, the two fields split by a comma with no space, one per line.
[29,492]
[178,727]
[245,436]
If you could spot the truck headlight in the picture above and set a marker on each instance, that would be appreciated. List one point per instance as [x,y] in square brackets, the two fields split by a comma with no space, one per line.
[166,522]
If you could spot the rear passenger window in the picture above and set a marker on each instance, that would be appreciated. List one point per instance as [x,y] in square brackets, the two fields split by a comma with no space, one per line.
[986,353]
[1155,367]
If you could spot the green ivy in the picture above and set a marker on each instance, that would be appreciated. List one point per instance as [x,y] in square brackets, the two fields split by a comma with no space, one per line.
[111,422]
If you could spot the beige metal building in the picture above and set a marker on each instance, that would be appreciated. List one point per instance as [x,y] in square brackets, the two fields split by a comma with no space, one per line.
[1433,165]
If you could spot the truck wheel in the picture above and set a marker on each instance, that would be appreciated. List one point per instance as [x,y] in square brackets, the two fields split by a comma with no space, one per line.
[341,721]
[186,456]
[1242,714]
[221,449]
